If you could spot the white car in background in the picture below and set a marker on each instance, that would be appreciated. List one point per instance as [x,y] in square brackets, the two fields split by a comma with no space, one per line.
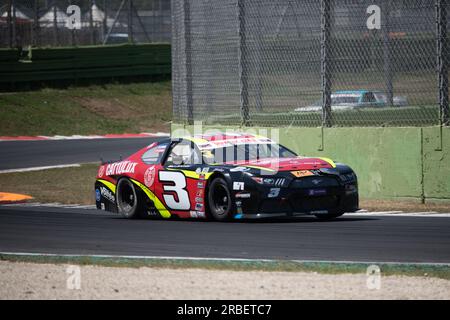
[355,99]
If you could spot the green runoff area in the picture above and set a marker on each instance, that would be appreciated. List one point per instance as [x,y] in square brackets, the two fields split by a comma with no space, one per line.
[418,270]
[87,110]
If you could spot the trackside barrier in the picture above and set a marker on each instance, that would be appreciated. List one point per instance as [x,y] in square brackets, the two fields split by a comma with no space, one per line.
[84,63]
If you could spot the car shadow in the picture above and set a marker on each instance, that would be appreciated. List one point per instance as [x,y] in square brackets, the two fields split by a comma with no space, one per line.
[278,220]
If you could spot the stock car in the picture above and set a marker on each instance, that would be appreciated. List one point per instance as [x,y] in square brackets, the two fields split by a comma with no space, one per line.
[225,177]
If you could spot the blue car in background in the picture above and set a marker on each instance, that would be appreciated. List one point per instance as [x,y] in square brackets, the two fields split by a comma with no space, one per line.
[355,99]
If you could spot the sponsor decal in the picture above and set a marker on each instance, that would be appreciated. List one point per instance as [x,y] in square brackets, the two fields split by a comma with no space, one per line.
[149,176]
[120,168]
[317,181]
[199,193]
[197,214]
[238,186]
[243,195]
[202,176]
[199,200]
[107,194]
[98,195]
[240,169]
[317,192]
[303,173]
[194,214]
[201,185]
[199,206]
[101,171]
[205,170]
[274,193]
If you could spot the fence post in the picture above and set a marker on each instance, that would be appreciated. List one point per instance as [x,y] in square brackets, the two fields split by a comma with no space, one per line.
[387,52]
[242,58]
[91,21]
[36,40]
[105,20]
[55,25]
[325,8]
[442,60]
[130,22]
[9,23]
[188,55]
[14,24]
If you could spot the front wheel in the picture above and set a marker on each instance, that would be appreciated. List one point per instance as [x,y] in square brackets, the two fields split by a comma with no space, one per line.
[128,201]
[219,200]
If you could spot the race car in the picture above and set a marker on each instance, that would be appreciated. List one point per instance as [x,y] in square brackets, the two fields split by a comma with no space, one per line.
[225,177]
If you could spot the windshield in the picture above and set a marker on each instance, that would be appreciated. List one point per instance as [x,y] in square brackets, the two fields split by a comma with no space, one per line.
[246,152]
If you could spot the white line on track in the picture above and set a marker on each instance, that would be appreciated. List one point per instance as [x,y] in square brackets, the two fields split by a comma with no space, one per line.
[104,256]
[75,165]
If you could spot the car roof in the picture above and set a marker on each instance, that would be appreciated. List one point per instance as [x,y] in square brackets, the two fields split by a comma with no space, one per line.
[355,91]
[218,140]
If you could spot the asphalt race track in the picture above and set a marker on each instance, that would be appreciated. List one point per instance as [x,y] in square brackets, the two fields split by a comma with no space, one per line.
[352,238]
[26,154]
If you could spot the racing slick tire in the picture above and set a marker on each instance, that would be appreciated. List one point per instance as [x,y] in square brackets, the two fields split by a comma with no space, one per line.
[330,216]
[220,203]
[129,202]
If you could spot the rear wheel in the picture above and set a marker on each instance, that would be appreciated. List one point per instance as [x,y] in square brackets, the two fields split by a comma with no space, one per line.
[128,200]
[219,200]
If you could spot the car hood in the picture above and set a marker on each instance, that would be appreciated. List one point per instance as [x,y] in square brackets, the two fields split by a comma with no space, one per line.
[286,164]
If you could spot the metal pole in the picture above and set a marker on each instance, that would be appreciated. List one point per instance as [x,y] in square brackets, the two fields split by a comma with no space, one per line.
[36,40]
[242,58]
[115,21]
[325,7]
[105,17]
[9,23]
[442,60]
[161,21]
[91,21]
[188,55]
[387,52]
[258,62]
[130,22]
[141,23]
[14,23]
[55,25]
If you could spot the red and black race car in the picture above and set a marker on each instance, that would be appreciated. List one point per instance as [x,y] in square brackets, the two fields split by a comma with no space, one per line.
[225,177]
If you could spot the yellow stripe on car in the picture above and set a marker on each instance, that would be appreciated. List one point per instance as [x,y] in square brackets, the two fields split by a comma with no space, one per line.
[111,186]
[331,162]
[193,174]
[260,168]
[158,204]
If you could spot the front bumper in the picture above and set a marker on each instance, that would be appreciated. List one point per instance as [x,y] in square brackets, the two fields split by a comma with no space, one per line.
[300,198]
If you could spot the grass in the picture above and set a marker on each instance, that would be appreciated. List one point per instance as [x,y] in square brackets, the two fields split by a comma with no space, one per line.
[422,270]
[54,186]
[95,109]
[65,185]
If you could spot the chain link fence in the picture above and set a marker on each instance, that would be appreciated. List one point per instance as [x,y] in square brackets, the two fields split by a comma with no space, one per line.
[310,63]
[58,23]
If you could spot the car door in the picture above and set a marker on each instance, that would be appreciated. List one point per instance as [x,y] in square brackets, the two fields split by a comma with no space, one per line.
[177,186]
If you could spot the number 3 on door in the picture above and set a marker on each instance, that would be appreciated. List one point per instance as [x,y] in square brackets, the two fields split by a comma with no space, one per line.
[178,186]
